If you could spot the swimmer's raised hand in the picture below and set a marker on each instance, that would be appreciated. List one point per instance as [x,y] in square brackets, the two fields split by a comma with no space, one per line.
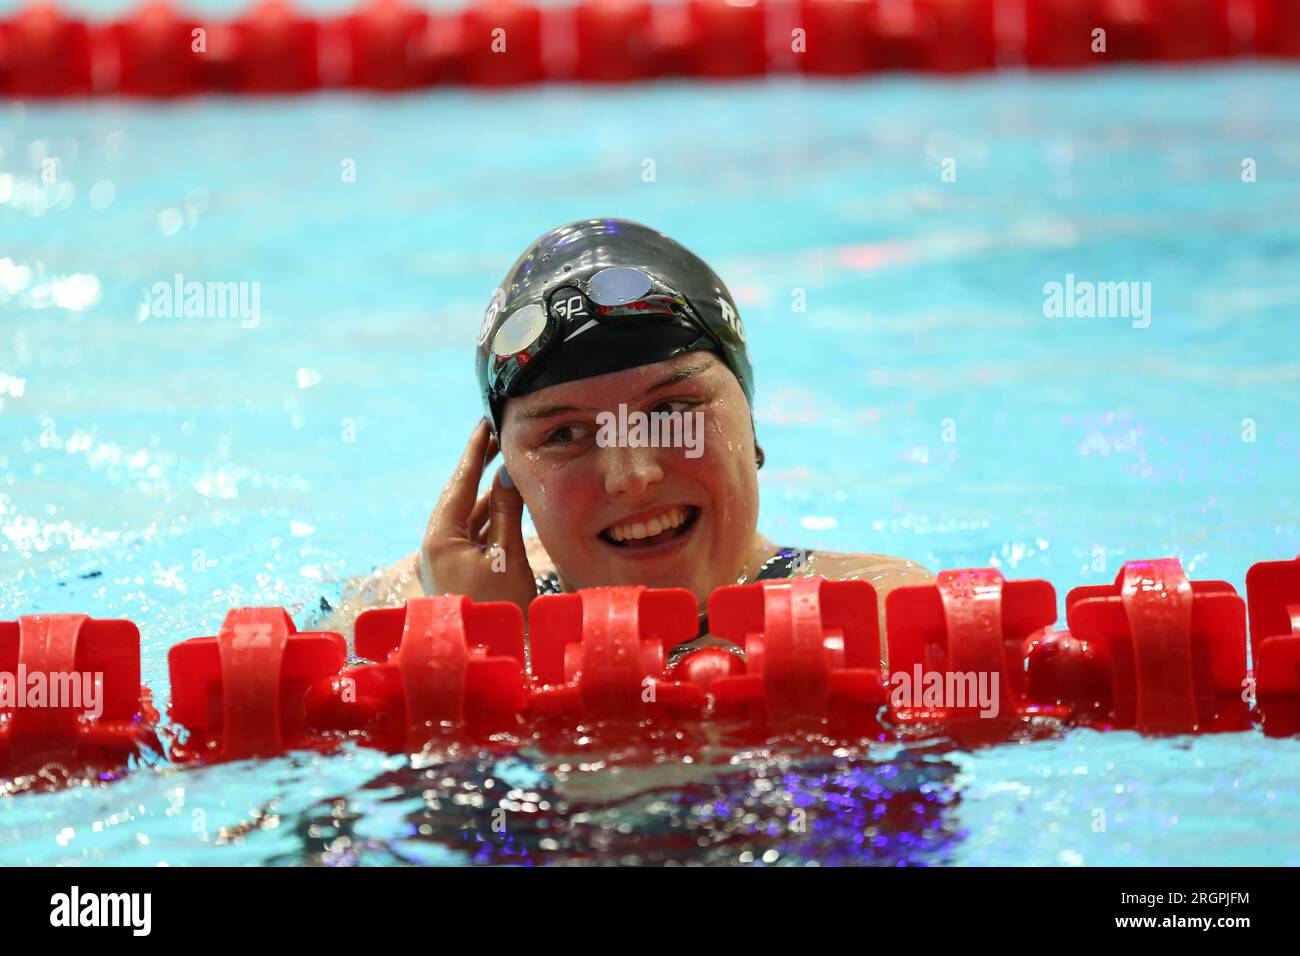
[475,545]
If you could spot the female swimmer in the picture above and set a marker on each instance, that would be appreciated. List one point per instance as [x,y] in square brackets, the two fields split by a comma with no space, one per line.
[599,320]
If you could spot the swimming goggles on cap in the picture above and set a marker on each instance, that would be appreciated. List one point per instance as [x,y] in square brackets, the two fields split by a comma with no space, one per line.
[616,296]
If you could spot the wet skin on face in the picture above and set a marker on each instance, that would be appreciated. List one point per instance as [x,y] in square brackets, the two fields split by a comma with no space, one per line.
[583,497]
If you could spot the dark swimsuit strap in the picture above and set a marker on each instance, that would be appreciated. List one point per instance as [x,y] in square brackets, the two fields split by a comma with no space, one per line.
[548,583]
[781,564]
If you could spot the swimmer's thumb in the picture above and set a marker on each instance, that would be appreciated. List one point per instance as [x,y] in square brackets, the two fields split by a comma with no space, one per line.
[506,516]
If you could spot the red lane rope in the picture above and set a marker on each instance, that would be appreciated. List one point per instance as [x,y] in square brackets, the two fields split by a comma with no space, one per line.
[160,50]
[973,657]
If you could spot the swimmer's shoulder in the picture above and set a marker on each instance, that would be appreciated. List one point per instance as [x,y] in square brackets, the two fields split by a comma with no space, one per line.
[404,576]
[395,585]
[382,587]
[884,572]
[538,559]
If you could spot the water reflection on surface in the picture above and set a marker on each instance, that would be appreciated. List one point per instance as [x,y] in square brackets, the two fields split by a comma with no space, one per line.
[730,809]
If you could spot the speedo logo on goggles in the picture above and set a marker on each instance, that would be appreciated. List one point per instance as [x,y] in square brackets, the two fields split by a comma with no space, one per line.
[620,295]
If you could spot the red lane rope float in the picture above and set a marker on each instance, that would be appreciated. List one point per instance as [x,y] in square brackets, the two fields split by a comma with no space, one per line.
[387,48]
[274,49]
[155,55]
[453,668]
[599,657]
[812,657]
[1153,652]
[617,42]
[968,624]
[932,35]
[242,693]
[1277,25]
[1273,593]
[46,664]
[158,50]
[1060,33]
[44,53]
[1176,649]
[726,40]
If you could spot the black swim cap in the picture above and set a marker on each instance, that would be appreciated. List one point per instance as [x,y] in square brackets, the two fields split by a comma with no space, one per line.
[598,296]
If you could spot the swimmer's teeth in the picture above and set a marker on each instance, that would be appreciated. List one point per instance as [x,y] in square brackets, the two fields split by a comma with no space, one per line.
[648,529]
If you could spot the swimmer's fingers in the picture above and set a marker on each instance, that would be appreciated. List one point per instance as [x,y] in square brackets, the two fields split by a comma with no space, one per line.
[506,520]
[452,513]
[478,519]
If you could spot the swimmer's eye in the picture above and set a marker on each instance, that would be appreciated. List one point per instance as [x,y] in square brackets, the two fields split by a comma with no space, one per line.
[666,407]
[575,433]
[566,435]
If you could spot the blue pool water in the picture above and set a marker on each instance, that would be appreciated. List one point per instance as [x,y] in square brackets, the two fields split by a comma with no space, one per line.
[167,469]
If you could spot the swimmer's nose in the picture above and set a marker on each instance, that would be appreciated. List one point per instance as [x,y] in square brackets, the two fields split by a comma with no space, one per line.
[630,471]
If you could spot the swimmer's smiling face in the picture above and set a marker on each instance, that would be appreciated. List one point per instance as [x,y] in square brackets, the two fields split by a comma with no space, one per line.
[597,509]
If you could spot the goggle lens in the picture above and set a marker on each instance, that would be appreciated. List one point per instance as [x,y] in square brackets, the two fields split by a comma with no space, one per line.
[517,333]
[619,285]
